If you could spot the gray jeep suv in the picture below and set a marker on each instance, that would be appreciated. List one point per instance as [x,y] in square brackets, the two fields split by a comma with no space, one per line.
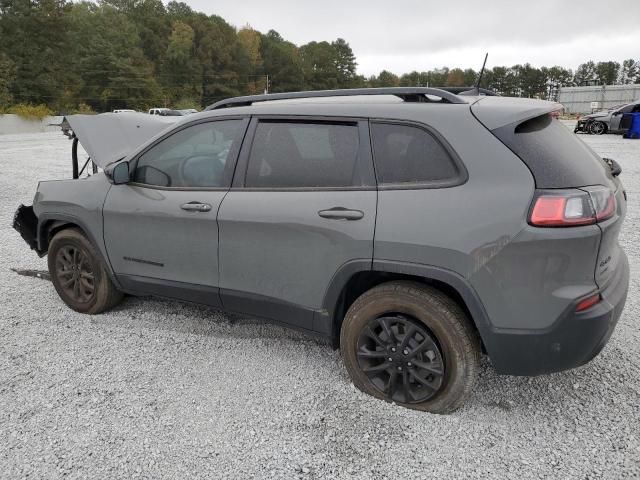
[413,227]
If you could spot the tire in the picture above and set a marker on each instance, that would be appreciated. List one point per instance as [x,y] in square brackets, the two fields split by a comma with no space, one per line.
[597,128]
[447,345]
[79,275]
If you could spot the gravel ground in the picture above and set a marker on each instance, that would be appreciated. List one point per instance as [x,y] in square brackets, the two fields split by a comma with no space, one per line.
[161,389]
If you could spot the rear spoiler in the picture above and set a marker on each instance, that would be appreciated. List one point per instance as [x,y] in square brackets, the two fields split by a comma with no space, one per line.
[495,112]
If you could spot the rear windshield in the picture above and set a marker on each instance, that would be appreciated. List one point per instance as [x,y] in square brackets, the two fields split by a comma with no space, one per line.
[556,157]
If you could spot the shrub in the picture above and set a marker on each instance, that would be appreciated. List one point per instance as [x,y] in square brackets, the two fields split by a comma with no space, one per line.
[30,112]
[83,108]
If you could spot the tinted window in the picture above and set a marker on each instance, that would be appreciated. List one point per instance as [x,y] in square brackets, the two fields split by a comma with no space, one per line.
[556,157]
[197,156]
[406,154]
[294,155]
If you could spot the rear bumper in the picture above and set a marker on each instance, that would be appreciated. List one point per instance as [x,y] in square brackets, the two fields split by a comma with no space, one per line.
[573,340]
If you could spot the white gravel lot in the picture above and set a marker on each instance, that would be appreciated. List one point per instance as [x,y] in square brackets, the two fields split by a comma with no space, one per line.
[160,389]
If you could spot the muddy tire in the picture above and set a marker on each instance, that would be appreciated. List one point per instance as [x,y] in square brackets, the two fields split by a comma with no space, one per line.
[409,343]
[79,275]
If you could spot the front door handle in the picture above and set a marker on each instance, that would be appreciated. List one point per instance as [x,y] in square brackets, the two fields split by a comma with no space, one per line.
[196,207]
[341,213]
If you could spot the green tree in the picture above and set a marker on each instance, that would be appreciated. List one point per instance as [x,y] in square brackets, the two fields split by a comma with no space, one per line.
[319,66]
[35,38]
[282,62]
[181,72]
[387,79]
[438,77]
[250,42]
[455,78]
[470,77]
[585,73]
[7,78]
[607,72]
[113,69]
[345,64]
[532,82]
[413,79]
[630,72]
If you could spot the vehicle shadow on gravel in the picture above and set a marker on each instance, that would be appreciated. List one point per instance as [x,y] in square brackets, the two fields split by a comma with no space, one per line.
[183,317]
[502,395]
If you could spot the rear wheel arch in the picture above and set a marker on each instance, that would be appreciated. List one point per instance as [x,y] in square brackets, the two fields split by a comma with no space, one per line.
[353,282]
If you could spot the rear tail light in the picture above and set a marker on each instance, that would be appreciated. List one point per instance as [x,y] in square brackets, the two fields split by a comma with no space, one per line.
[587,303]
[567,208]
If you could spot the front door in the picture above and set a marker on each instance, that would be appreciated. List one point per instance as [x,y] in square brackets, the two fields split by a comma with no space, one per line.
[160,230]
[302,206]
[616,117]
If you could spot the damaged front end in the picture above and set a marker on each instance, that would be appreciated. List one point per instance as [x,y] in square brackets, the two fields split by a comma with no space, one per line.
[105,138]
[25,223]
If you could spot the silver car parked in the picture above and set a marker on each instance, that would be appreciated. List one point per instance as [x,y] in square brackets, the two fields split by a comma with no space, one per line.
[608,121]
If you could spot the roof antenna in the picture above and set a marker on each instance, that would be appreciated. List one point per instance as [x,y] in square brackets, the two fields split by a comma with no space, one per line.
[481,73]
[475,91]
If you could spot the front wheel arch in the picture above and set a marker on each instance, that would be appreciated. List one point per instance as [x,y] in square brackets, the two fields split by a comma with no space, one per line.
[50,224]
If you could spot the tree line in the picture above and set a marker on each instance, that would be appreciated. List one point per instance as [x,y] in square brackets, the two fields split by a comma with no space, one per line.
[137,54]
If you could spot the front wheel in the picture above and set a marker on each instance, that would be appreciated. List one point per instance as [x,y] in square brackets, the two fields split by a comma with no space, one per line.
[78,274]
[597,128]
[409,343]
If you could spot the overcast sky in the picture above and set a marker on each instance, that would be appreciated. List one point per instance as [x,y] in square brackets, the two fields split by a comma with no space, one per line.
[406,35]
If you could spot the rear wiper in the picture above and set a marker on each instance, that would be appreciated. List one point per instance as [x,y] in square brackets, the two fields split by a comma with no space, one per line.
[615,167]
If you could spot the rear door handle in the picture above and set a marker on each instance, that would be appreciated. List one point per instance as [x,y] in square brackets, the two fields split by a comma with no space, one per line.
[196,207]
[341,213]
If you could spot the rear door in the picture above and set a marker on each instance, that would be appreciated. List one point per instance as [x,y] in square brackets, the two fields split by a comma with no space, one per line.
[303,205]
[160,229]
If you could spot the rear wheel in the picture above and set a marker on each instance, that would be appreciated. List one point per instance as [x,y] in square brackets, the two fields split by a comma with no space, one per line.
[78,274]
[410,344]
[597,128]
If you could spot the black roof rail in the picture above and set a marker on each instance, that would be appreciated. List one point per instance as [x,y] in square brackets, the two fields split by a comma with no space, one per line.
[469,91]
[408,94]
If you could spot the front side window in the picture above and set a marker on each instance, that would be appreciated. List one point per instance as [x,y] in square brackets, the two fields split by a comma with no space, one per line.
[405,154]
[303,155]
[197,156]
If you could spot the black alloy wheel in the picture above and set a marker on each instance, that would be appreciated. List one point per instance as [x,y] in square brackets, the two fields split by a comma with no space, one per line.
[401,358]
[597,128]
[75,274]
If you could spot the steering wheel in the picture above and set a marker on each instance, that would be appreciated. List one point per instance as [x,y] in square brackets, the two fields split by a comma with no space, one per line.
[202,171]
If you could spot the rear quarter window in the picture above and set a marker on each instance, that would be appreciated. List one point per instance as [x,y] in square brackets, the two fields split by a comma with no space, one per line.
[407,154]
[556,157]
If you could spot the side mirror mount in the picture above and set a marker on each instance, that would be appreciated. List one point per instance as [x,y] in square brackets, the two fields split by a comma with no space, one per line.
[118,173]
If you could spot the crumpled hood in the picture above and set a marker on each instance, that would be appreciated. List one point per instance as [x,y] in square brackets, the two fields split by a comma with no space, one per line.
[110,136]
[597,115]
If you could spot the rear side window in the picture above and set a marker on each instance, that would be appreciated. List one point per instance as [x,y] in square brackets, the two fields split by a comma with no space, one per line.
[302,155]
[556,157]
[406,154]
